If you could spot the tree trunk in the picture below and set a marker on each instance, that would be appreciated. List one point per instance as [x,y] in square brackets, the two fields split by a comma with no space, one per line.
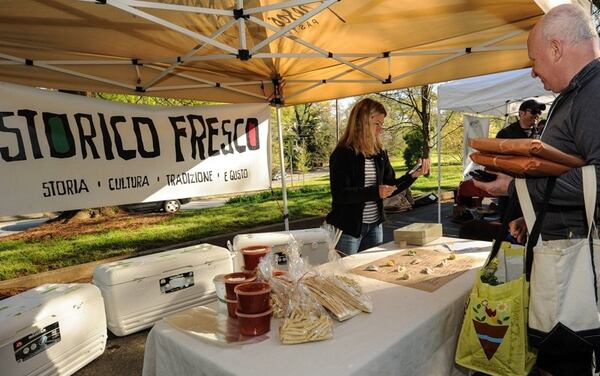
[426,118]
[85,214]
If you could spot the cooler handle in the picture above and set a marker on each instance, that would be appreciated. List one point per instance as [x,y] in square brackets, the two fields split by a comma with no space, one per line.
[179,267]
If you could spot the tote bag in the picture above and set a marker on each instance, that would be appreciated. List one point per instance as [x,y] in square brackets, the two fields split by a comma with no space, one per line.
[563,309]
[493,336]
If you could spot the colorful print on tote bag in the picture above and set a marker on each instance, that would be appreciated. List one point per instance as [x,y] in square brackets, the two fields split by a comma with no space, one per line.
[493,336]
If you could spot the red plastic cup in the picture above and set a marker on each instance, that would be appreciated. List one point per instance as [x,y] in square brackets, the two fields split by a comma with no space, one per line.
[253,254]
[234,279]
[253,297]
[231,308]
[253,271]
[254,324]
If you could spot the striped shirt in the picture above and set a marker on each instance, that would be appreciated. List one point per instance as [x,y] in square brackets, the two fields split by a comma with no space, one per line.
[371,212]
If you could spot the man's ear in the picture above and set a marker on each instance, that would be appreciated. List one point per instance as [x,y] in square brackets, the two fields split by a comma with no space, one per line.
[556,49]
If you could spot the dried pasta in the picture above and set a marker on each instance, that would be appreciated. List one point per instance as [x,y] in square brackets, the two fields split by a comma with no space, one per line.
[302,326]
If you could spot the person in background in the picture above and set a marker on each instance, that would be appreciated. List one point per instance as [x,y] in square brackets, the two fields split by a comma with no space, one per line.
[529,114]
[564,49]
[361,176]
[539,129]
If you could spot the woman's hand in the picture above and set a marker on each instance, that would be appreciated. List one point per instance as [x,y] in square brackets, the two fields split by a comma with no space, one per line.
[423,170]
[386,191]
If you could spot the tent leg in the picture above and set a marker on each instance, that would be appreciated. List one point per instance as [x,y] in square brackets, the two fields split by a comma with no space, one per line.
[286,216]
[439,163]
[337,121]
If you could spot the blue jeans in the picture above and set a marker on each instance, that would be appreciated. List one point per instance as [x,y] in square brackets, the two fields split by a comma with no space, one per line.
[370,236]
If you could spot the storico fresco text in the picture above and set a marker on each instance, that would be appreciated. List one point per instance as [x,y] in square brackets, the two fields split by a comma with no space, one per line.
[60,151]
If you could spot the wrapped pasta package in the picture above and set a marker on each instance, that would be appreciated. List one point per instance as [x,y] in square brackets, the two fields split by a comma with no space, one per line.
[522,157]
[520,166]
[338,296]
[525,147]
[305,294]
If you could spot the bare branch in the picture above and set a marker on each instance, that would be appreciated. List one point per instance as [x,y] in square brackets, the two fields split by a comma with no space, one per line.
[397,100]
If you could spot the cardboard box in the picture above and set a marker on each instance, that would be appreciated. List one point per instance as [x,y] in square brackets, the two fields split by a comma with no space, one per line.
[418,233]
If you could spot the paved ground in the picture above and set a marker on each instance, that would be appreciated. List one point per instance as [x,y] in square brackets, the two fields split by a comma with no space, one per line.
[202,204]
[13,227]
[124,356]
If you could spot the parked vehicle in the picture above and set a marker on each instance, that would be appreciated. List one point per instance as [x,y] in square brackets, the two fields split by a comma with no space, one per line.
[168,206]
[277,175]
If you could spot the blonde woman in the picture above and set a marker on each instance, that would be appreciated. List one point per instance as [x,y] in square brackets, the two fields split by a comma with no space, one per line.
[361,176]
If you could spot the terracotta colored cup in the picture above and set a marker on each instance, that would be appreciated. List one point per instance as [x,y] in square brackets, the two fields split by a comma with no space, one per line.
[231,308]
[234,279]
[252,255]
[253,271]
[254,324]
[253,297]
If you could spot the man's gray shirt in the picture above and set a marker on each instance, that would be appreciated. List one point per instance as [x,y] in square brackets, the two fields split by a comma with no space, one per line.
[574,128]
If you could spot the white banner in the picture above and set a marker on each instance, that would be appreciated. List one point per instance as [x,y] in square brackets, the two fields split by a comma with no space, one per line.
[474,127]
[62,151]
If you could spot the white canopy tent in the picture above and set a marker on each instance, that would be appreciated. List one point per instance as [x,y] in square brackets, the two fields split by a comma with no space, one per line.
[243,50]
[277,51]
[492,94]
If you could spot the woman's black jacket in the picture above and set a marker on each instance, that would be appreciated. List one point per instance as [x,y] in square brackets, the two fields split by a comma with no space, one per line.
[347,180]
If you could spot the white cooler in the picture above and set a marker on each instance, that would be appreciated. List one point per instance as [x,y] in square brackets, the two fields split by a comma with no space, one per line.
[315,248]
[54,329]
[140,291]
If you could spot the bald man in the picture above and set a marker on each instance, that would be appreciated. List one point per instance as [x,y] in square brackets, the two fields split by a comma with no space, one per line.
[564,50]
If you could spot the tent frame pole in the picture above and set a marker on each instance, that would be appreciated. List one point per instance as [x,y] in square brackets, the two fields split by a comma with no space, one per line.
[68,71]
[286,215]
[287,28]
[212,84]
[284,5]
[318,49]
[457,55]
[439,163]
[189,54]
[241,26]
[173,7]
[169,25]
[323,82]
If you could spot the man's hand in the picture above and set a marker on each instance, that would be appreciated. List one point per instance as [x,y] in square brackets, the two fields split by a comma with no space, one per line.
[518,230]
[386,190]
[498,187]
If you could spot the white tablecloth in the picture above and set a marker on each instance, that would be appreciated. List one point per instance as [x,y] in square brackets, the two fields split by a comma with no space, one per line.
[409,332]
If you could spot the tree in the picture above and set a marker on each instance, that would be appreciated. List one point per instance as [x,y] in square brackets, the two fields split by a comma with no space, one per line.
[152,101]
[311,124]
[411,112]
[302,160]
[414,146]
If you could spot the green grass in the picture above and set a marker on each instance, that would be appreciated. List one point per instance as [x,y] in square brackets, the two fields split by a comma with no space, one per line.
[20,257]
[311,198]
[451,176]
